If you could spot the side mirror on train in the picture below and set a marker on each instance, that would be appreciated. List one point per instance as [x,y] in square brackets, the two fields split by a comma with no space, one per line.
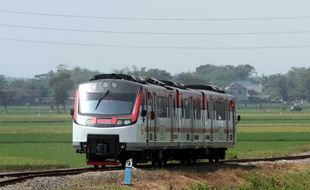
[143,113]
[238,118]
[71,112]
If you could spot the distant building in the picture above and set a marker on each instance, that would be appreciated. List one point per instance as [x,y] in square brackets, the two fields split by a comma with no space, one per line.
[23,96]
[246,91]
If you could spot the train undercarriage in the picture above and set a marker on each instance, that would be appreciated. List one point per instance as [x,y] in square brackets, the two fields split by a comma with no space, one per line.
[106,150]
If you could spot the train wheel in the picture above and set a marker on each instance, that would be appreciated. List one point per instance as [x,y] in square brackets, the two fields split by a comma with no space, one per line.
[182,161]
[153,163]
[123,162]
[154,158]
[159,162]
[188,160]
[194,158]
[135,162]
[217,159]
[165,162]
[212,155]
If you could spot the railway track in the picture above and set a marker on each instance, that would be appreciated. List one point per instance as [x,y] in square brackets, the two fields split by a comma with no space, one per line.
[271,159]
[17,177]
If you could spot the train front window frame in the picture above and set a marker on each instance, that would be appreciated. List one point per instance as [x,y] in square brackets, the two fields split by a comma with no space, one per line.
[109,97]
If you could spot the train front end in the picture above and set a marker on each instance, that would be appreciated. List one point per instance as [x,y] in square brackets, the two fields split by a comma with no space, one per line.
[105,119]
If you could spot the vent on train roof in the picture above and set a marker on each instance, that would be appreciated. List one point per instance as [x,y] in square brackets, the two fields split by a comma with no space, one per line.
[174,84]
[147,80]
[118,76]
[207,87]
[154,81]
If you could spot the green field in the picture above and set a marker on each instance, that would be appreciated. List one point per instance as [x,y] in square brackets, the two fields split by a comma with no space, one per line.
[34,140]
[37,141]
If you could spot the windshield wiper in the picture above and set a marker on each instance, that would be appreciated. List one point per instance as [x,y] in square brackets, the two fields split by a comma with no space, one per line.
[101,98]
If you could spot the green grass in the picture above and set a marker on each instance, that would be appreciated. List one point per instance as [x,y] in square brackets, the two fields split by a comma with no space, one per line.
[19,156]
[31,109]
[274,137]
[37,141]
[36,138]
[200,186]
[273,129]
[256,149]
[34,118]
[295,180]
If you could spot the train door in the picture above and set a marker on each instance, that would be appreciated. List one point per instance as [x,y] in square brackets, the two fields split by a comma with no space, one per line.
[171,113]
[151,117]
[192,117]
[232,123]
[227,113]
[155,113]
[211,118]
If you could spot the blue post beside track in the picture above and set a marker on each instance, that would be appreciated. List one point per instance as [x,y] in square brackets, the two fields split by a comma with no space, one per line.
[128,172]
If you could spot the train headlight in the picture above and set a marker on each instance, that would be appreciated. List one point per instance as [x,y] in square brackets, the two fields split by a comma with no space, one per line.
[127,121]
[88,122]
[123,122]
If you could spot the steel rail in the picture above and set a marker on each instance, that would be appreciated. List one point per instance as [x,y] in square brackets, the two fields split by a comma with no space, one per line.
[270,159]
[21,176]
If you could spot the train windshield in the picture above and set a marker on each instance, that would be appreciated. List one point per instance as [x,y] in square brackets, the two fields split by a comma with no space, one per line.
[108,97]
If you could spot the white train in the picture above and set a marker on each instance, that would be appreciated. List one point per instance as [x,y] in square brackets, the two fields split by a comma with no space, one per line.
[118,116]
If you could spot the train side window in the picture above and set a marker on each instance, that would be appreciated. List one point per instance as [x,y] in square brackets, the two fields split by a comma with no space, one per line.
[220,111]
[208,110]
[158,105]
[186,110]
[194,108]
[182,108]
[173,108]
[228,115]
[162,107]
[168,106]
[198,109]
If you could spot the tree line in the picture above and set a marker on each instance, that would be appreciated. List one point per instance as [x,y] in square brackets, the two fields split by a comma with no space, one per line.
[291,86]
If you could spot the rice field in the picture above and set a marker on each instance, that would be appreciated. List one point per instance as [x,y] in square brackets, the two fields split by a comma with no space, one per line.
[42,140]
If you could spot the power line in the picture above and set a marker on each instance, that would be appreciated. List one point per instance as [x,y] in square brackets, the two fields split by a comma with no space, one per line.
[153,47]
[156,19]
[154,33]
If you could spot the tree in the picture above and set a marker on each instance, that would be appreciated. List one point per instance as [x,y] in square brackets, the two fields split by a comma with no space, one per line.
[277,86]
[3,82]
[223,75]
[61,83]
[244,72]
[189,78]
[154,73]
[5,96]
[79,75]
[159,74]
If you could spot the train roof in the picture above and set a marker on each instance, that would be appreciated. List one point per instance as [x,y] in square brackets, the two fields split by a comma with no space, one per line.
[207,87]
[163,83]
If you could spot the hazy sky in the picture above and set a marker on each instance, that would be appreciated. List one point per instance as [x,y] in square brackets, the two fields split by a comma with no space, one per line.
[24,59]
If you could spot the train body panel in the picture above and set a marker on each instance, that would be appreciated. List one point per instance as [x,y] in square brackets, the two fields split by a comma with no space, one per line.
[118,117]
